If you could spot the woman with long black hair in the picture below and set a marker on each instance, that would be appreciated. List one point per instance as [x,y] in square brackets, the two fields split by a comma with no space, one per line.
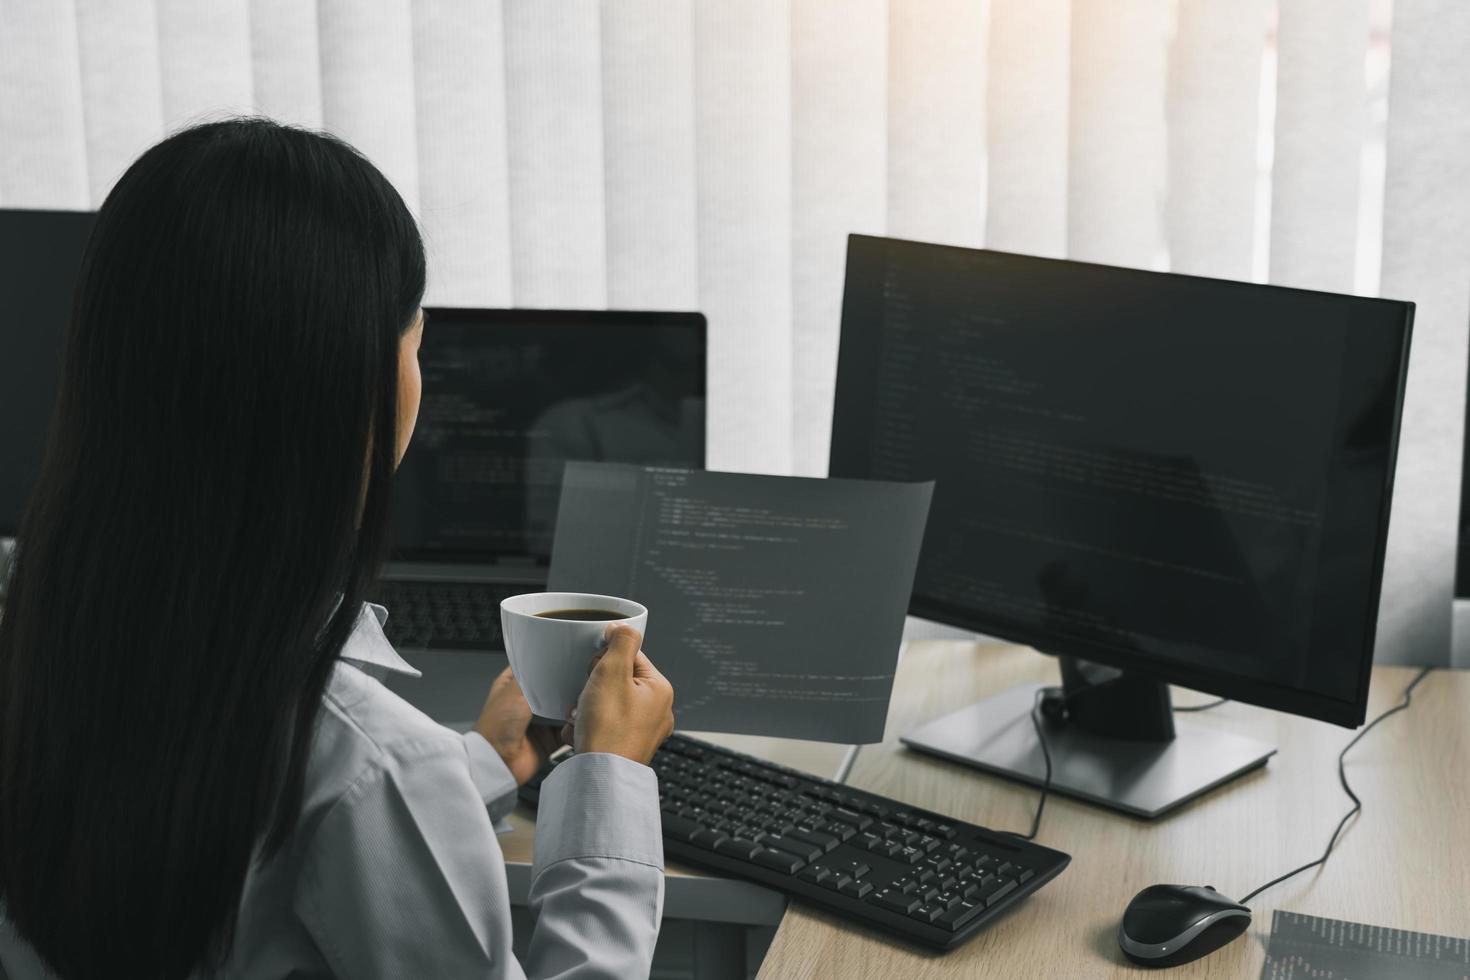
[200,773]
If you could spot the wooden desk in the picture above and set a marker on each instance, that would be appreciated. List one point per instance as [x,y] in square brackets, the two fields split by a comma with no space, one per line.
[1404,862]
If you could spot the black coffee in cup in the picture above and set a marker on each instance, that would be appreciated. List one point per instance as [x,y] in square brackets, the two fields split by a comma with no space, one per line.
[583,615]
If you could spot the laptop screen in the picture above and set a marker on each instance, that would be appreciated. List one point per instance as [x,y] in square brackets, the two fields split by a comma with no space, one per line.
[510,395]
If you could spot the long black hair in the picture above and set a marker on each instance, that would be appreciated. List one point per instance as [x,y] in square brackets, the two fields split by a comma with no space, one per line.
[211,511]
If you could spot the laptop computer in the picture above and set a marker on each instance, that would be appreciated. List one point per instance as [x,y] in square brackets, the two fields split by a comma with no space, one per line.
[508,397]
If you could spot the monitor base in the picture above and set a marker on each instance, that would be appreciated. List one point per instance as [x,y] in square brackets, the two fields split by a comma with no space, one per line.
[1144,779]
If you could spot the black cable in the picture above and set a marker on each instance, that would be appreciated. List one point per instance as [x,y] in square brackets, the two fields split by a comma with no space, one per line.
[1201,707]
[1036,723]
[1342,777]
[1046,782]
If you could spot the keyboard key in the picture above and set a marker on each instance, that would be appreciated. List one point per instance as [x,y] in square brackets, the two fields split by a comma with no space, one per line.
[737,847]
[854,867]
[842,831]
[708,838]
[930,844]
[680,828]
[937,862]
[778,860]
[835,882]
[856,889]
[910,855]
[825,841]
[993,889]
[814,873]
[1009,870]
[959,916]
[944,830]
[859,820]
[807,852]
[926,913]
[928,876]
[894,901]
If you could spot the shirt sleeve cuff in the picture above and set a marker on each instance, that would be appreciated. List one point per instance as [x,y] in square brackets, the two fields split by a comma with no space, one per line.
[497,787]
[596,804]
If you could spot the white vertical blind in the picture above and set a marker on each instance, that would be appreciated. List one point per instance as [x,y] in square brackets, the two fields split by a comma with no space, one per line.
[648,154]
[1116,153]
[1214,95]
[839,177]
[464,191]
[742,84]
[1026,126]
[43,151]
[121,90]
[554,119]
[204,59]
[936,120]
[1426,258]
[285,61]
[714,154]
[367,85]
[1320,122]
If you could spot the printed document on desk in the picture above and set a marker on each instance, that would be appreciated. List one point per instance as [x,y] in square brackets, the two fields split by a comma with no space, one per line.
[775,604]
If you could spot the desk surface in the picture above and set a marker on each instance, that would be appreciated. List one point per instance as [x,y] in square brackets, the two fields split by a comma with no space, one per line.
[1402,863]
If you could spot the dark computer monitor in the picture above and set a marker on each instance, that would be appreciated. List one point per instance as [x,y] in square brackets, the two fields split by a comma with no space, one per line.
[1180,479]
[511,395]
[40,256]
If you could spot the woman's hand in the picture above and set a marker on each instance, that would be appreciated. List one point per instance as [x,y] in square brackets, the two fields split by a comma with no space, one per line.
[505,722]
[627,707]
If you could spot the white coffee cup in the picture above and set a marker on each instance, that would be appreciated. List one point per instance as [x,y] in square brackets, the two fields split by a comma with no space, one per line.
[550,657]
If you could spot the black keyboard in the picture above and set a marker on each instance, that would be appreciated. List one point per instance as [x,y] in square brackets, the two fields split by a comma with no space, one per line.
[920,875]
[444,615]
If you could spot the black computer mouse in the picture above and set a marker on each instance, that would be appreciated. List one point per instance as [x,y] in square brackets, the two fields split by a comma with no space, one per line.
[1166,925]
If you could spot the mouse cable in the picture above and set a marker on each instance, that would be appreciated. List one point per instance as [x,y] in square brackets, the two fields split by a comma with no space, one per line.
[1342,778]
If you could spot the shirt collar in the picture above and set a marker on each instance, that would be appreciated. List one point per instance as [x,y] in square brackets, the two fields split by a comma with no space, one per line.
[367,646]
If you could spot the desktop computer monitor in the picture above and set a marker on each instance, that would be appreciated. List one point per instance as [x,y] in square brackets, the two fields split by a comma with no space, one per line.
[1156,477]
[40,257]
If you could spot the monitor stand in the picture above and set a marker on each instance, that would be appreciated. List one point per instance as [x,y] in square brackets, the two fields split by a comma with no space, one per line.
[1116,743]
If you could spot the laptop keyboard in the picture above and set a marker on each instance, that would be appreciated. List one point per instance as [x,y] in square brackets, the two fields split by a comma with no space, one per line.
[444,615]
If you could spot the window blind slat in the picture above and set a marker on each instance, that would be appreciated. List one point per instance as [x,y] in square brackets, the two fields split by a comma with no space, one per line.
[839,170]
[367,85]
[742,80]
[1319,128]
[1214,99]
[936,120]
[204,60]
[43,150]
[648,147]
[459,108]
[554,115]
[286,61]
[121,91]
[1116,147]
[1426,258]
[1026,126]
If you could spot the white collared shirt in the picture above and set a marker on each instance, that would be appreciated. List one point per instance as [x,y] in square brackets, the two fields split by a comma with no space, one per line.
[394,870]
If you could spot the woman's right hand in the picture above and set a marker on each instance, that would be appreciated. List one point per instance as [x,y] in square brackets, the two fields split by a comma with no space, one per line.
[627,706]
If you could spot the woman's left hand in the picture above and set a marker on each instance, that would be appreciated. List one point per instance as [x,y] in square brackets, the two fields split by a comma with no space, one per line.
[505,722]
